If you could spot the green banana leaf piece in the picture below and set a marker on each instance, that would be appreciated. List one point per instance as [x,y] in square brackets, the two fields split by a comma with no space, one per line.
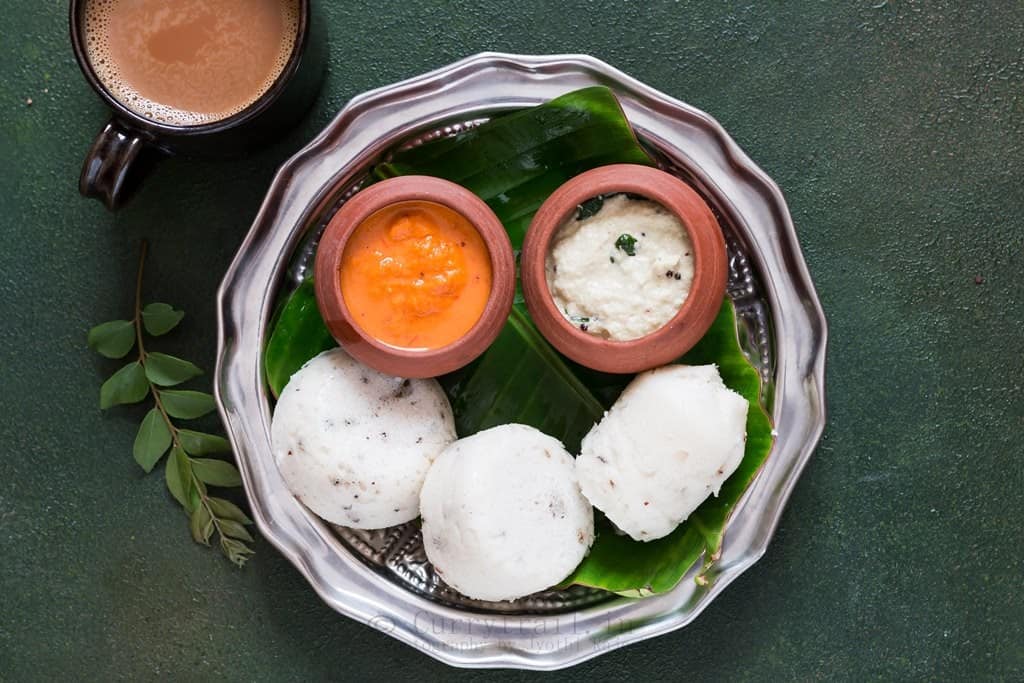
[520,378]
[298,335]
[515,161]
[619,564]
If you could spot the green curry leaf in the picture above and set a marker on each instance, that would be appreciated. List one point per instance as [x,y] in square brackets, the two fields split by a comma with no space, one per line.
[127,385]
[178,474]
[187,405]
[627,244]
[198,443]
[160,318]
[113,339]
[168,370]
[228,510]
[216,472]
[152,441]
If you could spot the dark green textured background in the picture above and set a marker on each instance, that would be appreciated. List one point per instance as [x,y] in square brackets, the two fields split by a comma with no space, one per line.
[896,131]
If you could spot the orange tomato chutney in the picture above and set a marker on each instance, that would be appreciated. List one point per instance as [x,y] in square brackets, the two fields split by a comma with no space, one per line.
[415,275]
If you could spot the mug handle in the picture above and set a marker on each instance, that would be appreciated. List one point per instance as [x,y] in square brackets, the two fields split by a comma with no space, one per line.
[113,165]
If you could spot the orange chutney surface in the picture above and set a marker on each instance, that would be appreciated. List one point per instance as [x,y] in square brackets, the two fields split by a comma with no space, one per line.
[416,275]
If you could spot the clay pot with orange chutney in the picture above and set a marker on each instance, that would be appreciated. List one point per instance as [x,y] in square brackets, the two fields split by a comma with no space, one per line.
[415,276]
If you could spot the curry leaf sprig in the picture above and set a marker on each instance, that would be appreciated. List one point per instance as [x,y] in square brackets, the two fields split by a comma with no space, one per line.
[188,471]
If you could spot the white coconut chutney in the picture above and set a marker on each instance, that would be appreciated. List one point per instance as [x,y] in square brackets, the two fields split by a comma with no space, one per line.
[623,272]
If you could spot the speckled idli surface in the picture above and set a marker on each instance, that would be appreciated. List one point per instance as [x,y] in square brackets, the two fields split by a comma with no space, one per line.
[503,516]
[671,439]
[354,445]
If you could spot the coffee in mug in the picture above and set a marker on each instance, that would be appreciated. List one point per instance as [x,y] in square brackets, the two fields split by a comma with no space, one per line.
[189,62]
[207,78]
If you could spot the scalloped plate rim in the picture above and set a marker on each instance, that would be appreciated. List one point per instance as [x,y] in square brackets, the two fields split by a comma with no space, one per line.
[356,598]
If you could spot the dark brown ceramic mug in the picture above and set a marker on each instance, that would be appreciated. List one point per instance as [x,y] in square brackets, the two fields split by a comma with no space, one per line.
[129,142]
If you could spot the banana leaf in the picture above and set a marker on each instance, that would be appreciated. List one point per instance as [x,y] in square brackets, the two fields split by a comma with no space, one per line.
[520,378]
[299,333]
[619,564]
[514,162]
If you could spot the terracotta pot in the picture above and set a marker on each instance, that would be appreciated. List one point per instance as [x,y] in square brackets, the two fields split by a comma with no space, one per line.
[410,362]
[698,311]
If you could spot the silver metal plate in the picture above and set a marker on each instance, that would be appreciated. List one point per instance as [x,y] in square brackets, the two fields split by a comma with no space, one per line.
[382,577]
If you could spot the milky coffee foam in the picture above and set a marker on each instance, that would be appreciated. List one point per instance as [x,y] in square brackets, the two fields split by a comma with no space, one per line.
[189,62]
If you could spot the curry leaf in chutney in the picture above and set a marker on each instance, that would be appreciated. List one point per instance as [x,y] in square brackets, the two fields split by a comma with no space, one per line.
[626,243]
[590,207]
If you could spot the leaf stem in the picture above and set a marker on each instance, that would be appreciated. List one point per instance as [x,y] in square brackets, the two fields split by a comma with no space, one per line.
[155,392]
[138,303]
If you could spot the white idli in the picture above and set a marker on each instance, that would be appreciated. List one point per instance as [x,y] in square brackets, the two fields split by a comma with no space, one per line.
[502,514]
[354,445]
[673,436]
